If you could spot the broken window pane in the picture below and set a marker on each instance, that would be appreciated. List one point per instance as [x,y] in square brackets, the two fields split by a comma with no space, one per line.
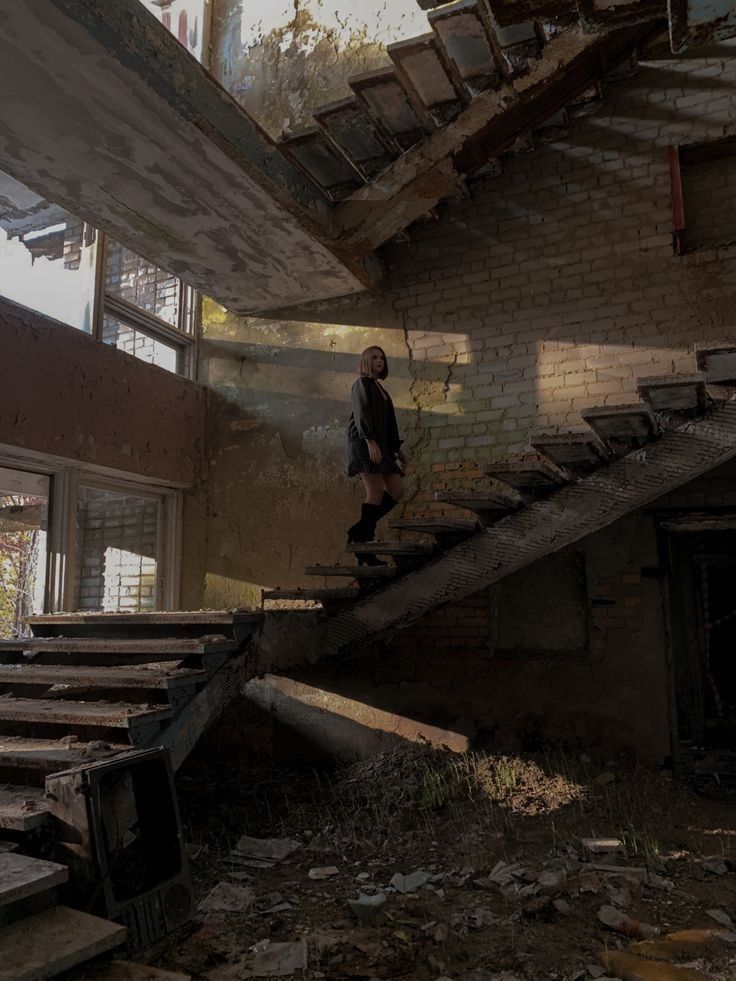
[23,527]
[138,281]
[47,256]
[116,554]
[185,19]
[140,344]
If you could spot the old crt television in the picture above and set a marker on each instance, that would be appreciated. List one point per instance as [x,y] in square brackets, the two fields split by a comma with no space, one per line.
[117,827]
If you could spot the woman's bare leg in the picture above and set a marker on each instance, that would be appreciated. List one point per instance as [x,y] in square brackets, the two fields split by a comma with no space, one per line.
[393,485]
[373,485]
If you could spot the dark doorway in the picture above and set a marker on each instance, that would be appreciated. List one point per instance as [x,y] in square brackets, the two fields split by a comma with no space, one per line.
[702,589]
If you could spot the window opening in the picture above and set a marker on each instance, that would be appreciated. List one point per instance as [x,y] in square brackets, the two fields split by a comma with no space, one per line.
[703,182]
[24,499]
[117,551]
[48,257]
[187,20]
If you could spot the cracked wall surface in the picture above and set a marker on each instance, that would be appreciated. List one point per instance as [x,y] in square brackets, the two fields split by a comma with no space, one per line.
[284,59]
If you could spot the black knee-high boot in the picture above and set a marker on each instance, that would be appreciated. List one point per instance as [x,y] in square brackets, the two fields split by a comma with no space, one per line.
[364,531]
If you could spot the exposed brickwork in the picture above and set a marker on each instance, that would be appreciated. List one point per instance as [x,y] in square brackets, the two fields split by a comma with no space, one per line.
[555,285]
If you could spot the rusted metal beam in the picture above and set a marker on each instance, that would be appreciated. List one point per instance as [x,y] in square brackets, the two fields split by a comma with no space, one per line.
[432,170]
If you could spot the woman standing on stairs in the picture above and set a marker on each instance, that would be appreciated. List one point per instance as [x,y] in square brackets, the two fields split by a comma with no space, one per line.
[374,448]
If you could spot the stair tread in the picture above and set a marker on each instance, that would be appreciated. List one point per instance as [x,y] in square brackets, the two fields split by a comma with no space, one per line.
[668,393]
[337,592]
[52,755]
[632,424]
[173,617]
[119,715]
[354,571]
[666,381]
[717,359]
[56,940]
[393,548]
[83,645]
[98,677]
[474,500]
[573,450]
[22,808]
[462,525]
[526,474]
[22,876]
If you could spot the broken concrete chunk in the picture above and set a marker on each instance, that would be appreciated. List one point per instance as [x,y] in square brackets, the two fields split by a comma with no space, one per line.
[614,919]
[551,882]
[720,917]
[325,872]
[714,865]
[227,898]
[480,918]
[410,883]
[266,849]
[602,846]
[366,907]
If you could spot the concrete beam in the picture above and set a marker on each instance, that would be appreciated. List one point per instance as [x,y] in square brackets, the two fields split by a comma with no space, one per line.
[105,113]
[434,168]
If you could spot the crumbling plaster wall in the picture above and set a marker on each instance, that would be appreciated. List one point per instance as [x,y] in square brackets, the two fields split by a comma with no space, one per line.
[283,59]
[66,395]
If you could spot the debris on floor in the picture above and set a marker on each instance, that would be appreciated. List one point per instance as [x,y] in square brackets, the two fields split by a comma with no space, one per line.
[424,865]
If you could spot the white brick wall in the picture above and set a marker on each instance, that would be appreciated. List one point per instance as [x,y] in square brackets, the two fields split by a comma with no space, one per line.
[555,285]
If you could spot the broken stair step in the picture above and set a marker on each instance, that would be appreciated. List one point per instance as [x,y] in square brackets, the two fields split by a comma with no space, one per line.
[44,756]
[437,526]
[62,712]
[399,550]
[98,677]
[352,571]
[22,808]
[22,876]
[44,945]
[578,452]
[482,502]
[717,361]
[674,393]
[174,648]
[628,426]
[527,475]
[315,595]
[164,624]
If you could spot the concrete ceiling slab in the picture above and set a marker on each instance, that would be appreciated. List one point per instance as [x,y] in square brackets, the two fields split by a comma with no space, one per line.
[106,114]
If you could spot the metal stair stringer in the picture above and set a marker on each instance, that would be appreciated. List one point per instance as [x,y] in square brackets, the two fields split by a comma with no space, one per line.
[570,514]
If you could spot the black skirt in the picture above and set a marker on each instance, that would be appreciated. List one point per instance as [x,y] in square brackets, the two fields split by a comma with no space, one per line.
[360,462]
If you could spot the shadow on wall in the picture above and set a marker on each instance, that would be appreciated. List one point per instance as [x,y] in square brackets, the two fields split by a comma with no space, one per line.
[277,497]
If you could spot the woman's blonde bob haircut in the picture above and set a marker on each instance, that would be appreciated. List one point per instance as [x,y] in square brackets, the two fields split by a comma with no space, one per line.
[364,364]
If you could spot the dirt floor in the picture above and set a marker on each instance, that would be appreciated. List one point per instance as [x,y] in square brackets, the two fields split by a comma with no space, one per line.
[510,889]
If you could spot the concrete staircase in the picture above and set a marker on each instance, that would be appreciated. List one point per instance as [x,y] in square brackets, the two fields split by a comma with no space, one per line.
[38,937]
[571,484]
[87,687]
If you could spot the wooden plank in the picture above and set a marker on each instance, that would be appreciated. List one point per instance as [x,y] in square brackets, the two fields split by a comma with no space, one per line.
[437,526]
[160,617]
[312,595]
[674,393]
[171,648]
[43,756]
[526,475]
[22,876]
[22,808]
[353,571]
[58,712]
[626,426]
[98,677]
[398,549]
[56,940]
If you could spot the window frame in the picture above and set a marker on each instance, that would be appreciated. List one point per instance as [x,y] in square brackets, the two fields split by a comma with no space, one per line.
[685,154]
[183,338]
